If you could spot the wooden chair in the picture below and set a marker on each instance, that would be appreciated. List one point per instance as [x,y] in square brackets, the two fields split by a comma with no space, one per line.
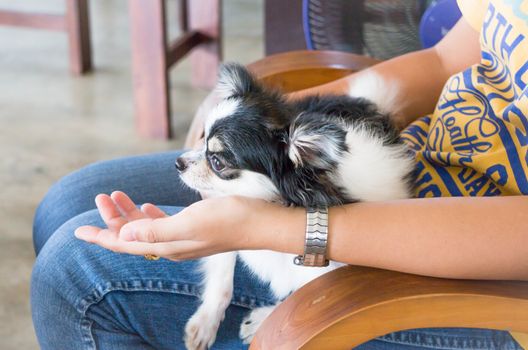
[75,22]
[153,56]
[352,305]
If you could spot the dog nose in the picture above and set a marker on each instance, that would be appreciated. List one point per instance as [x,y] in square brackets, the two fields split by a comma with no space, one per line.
[181,164]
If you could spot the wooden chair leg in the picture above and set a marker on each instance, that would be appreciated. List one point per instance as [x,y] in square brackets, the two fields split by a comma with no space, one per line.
[205,17]
[149,68]
[78,30]
[184,16]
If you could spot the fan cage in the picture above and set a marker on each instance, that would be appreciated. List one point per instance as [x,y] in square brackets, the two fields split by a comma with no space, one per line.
[378,28]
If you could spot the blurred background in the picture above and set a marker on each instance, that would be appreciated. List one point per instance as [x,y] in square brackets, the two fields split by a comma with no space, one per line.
[53,122]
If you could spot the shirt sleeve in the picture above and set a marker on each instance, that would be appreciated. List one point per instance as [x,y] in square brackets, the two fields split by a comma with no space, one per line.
[473,11]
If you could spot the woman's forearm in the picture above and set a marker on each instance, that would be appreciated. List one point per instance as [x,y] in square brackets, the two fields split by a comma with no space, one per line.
[462,237]
[419,75]
[475,238]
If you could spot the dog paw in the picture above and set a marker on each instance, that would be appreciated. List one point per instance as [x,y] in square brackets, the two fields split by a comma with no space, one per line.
[200,331]
[251,323]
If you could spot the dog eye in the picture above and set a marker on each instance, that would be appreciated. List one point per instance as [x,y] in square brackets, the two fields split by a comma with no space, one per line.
[217,164]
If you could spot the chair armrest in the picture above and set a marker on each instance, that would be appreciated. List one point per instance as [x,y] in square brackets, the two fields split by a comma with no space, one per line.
[351,305]
[297,70]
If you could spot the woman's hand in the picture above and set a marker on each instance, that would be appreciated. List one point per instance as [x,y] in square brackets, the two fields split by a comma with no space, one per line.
[205,228]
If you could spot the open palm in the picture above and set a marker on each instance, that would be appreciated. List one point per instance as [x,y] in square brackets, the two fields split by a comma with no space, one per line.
[116,210]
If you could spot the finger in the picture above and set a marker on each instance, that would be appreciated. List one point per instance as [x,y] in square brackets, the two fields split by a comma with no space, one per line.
[109,212]
[110,240]
[103,237]
[152,211]
[94,234]
[126,206]
[149,230]
[87,233]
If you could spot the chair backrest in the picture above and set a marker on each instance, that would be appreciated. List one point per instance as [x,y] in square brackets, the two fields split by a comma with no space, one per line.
[297,70]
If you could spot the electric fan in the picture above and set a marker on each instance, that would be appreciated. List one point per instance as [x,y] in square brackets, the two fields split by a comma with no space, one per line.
[378,28]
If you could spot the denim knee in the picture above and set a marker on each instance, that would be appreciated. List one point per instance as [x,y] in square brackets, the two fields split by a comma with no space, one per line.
[148,178]
[65,199]
[71,276]
[57,281]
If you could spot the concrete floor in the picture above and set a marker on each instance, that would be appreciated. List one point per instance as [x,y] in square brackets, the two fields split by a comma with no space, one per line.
[52,123]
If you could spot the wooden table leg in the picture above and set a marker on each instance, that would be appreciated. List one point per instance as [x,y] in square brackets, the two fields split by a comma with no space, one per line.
[205,17]
[78,30]
[149,68]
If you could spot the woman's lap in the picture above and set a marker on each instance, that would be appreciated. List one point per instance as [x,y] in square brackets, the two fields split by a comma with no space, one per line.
[94,296]
[86,297]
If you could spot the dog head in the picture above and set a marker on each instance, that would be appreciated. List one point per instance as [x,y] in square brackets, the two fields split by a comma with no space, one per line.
[258,145]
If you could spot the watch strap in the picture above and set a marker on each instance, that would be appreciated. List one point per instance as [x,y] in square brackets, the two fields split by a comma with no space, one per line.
[316,238]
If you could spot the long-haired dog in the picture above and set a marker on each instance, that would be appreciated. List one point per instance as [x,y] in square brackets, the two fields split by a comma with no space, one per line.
[317,151]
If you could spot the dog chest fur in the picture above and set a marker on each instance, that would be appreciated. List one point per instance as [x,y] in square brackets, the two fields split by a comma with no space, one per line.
[278,269]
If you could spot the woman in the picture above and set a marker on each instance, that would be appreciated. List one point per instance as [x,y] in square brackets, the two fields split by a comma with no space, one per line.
[474,144]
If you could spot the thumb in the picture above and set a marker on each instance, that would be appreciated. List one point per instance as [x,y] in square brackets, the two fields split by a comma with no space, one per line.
[146,230]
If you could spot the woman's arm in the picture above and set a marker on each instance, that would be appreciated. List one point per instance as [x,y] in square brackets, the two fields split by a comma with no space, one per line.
[462,237]
[419,75]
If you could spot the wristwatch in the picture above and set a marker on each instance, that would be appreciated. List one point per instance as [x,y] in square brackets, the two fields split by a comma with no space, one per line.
[316,239]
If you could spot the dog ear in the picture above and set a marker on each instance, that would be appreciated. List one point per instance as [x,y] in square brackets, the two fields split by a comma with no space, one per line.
[235,80]
[314,141]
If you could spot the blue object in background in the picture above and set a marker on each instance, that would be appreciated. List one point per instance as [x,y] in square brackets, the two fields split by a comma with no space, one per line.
[437,20]
[306,25]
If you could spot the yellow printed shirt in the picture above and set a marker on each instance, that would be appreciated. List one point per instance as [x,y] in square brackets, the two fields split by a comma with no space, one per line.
[476,141]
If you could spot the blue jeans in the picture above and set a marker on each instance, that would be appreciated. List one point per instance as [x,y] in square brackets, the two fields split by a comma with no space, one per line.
[85,297]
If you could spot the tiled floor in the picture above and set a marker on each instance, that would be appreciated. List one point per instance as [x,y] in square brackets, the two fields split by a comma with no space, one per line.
[52,123]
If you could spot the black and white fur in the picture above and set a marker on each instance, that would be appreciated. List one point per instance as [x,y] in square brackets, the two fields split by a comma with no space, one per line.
[318,151]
